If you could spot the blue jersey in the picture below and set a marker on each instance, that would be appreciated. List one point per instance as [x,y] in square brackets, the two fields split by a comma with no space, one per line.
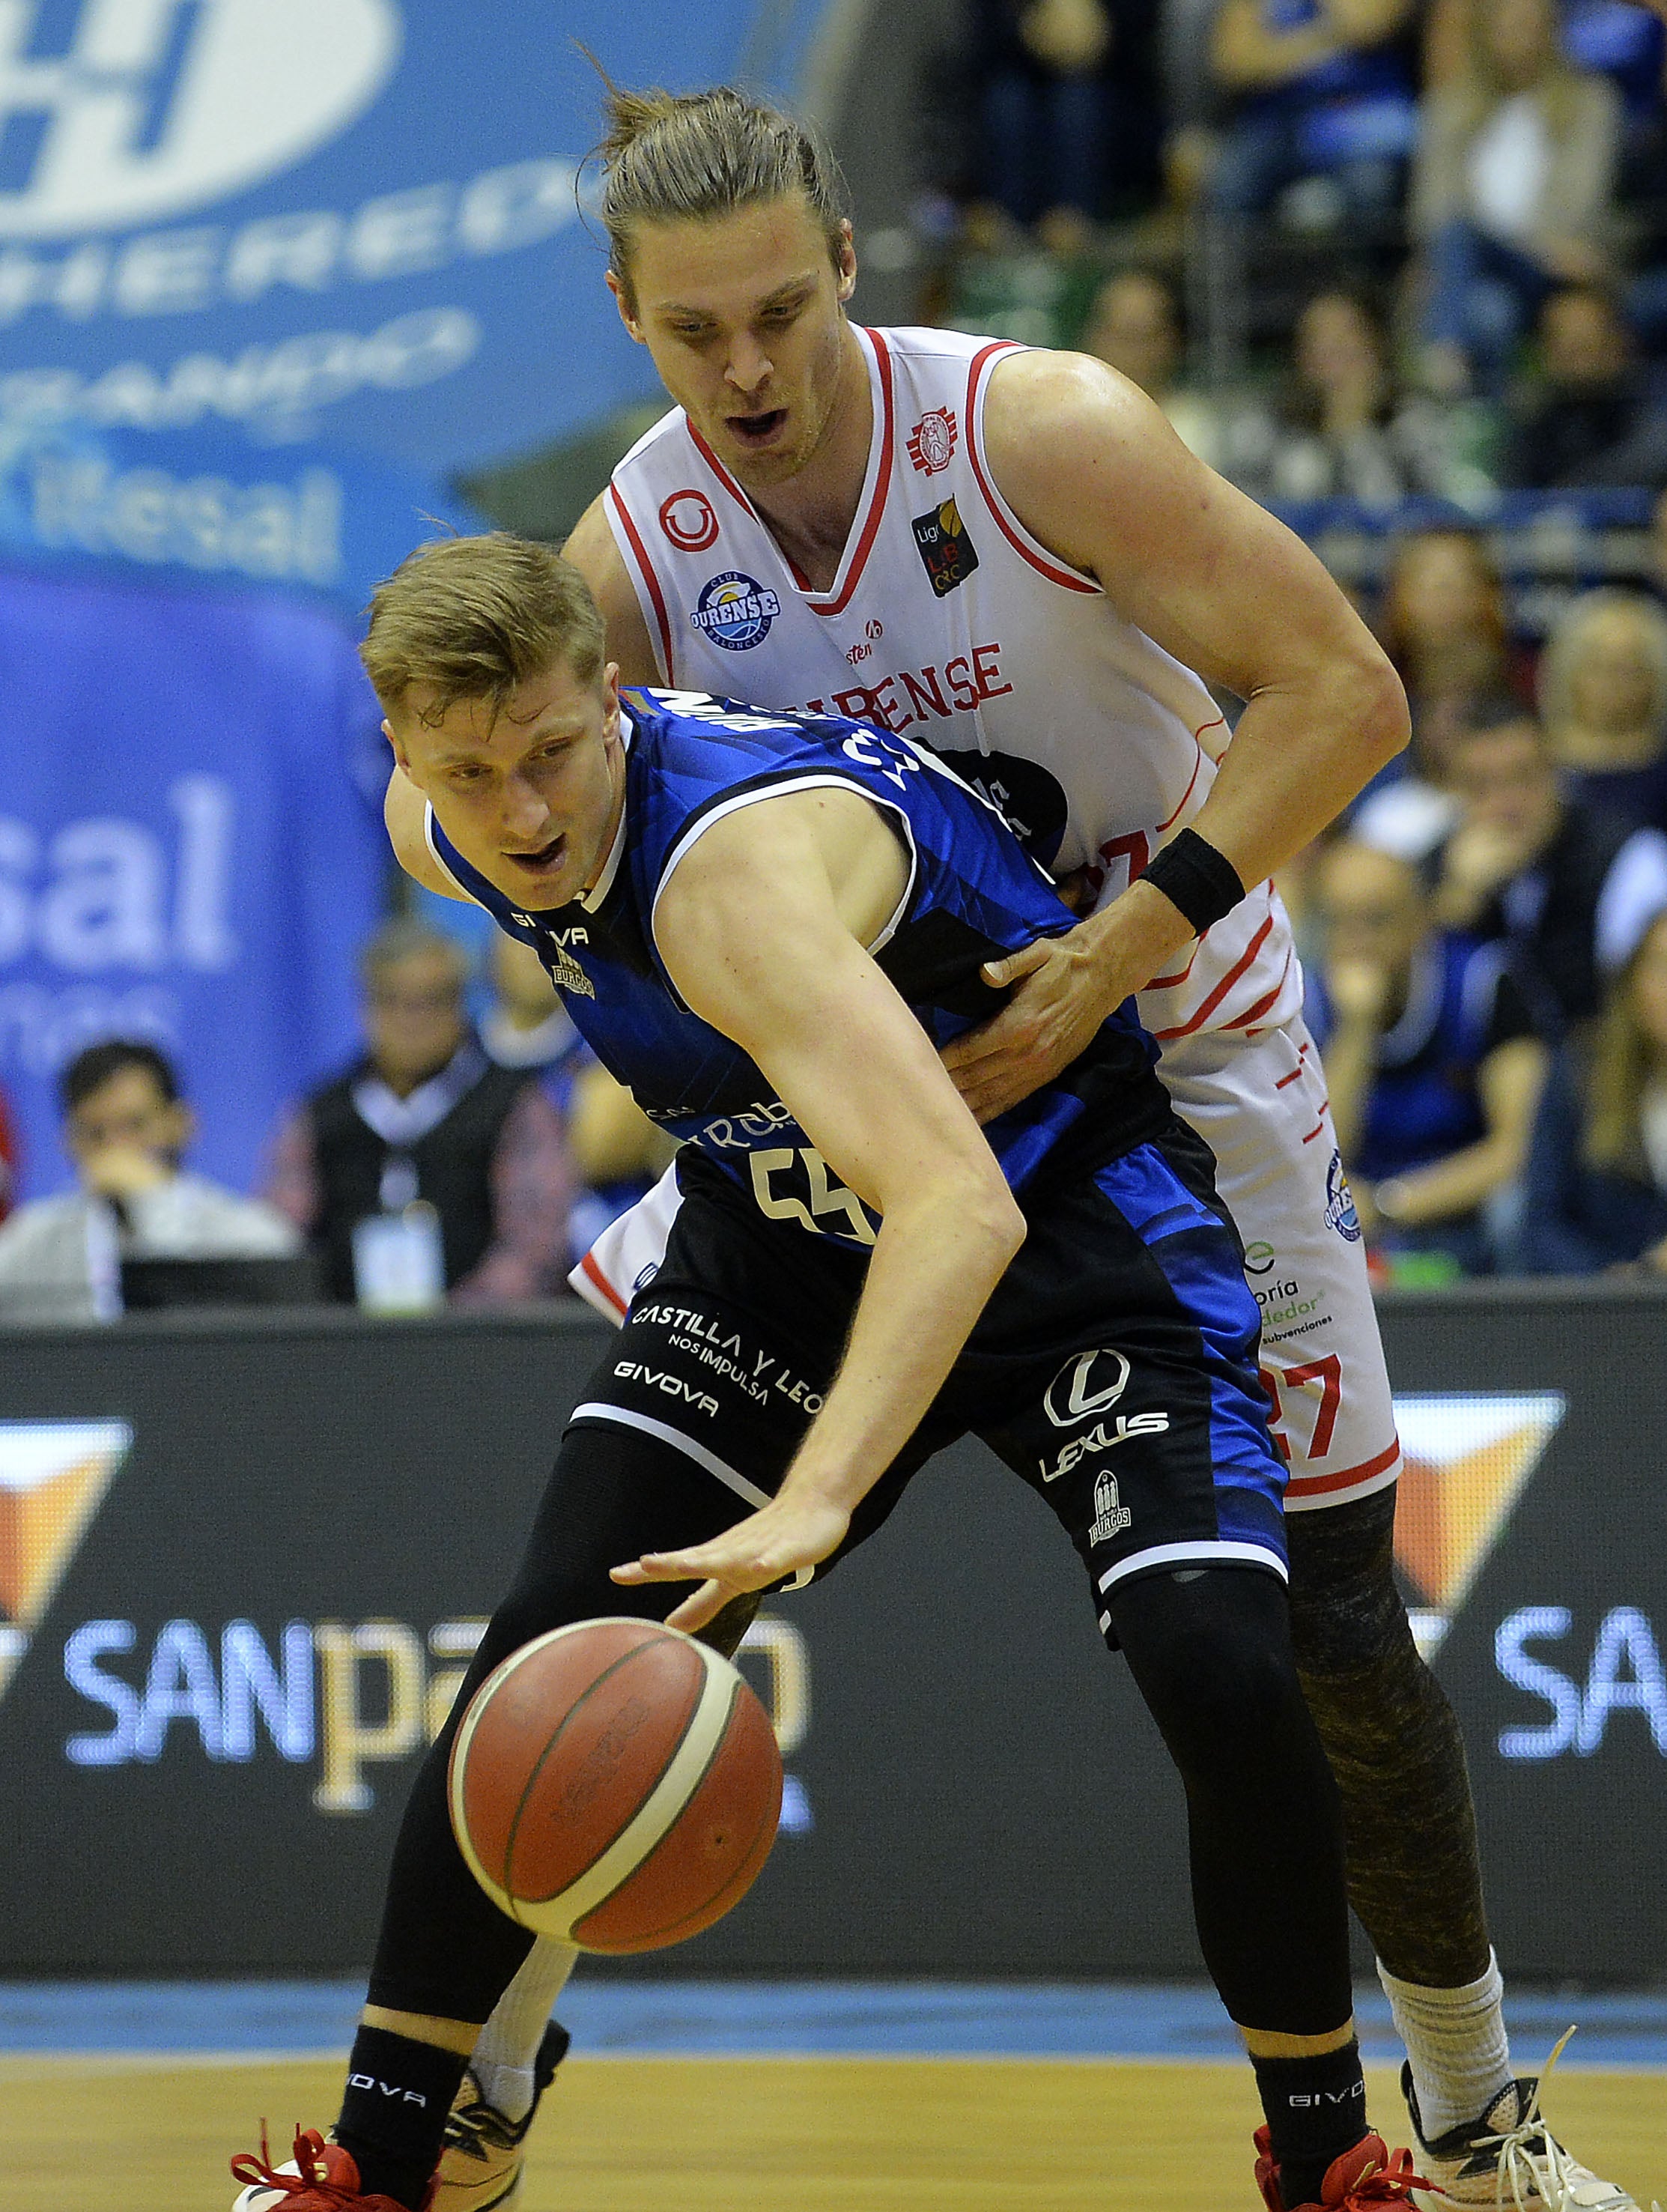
[973,894]
[1425,1104]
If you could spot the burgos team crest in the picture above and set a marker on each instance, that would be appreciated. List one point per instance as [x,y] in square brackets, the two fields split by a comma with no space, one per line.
[735,612]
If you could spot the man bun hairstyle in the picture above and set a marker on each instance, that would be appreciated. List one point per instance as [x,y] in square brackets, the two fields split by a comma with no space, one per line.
[671,157]
[477,617]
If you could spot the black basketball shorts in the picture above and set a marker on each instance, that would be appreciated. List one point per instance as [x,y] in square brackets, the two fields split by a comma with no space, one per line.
[1114,1368]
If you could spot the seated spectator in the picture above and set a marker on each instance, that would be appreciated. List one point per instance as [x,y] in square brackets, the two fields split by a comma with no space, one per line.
[1511,193]
[1562,887]
[1595,1196]
[1443,624]
[1591,416]
[1335,435]
[426,1131]
[616,1150]
[1431,1058]
[127,1130]
[1319,89]
[1068,94]
[1604,702]
[527,1026]
[1135,324]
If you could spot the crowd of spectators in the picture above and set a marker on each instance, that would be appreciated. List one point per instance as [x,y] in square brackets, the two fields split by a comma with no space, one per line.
[1469,196]
[1397,260]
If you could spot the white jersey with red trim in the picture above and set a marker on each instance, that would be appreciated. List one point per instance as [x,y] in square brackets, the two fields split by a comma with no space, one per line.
[949,621]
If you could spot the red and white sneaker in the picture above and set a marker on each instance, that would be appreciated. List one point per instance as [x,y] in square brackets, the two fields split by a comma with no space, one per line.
[1363,2179]
[321,2177]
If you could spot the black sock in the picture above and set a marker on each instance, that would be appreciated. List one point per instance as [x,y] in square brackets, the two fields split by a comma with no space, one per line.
[393,2115]
[1316,2110]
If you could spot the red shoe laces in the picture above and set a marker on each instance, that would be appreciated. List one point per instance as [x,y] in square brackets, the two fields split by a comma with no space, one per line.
[309,2151]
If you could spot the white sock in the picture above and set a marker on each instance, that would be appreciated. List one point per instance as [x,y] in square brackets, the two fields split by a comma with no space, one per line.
[503,2057]
[1456,2040]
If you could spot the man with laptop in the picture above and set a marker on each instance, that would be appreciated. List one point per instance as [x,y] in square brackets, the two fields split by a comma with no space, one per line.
[138,1223]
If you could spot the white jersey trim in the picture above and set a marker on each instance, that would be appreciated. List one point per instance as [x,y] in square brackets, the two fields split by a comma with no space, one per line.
[698,829]
[1024,542]
[438,857]
[651,599]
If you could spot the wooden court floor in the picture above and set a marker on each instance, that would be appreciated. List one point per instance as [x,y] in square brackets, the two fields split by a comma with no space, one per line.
[711,2134]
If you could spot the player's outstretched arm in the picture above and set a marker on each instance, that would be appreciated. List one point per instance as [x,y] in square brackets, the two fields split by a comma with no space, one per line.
[1094,470]
[762,928]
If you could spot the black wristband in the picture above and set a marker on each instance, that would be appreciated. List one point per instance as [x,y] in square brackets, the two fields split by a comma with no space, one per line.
[1201,882]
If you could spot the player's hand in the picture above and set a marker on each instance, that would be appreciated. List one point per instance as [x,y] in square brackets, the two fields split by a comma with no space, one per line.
[1479,858]
[123,1171]
[1060,1002]
[1358,990]
[782,1537]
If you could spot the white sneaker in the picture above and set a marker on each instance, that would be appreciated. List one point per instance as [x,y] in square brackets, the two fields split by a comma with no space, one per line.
[1509,2158]
[481,2166]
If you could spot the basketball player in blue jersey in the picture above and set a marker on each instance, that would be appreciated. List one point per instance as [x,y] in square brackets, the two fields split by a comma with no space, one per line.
[1005,554]
[765,925]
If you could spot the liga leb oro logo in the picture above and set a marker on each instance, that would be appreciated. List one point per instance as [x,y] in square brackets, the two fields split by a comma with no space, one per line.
[53,1477]
[688,522]
[932,441]
[947,553]
[1470,1456]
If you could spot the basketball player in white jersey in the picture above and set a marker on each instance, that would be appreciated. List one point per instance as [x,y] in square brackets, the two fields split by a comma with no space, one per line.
[1008,554]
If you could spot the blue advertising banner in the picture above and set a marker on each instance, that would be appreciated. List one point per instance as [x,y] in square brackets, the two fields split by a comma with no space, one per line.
[186,853]
[199,505]
[348,218]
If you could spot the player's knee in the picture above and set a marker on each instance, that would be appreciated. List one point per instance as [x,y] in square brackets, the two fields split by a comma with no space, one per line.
[1347,1615]
[1212,1657]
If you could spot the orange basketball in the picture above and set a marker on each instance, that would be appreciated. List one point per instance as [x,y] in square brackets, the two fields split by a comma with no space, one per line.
[615,1784]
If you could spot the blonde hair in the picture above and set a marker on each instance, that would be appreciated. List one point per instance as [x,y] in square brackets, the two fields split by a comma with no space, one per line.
[671,157]
[475,617]
[1570,636]
[1617,1072]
